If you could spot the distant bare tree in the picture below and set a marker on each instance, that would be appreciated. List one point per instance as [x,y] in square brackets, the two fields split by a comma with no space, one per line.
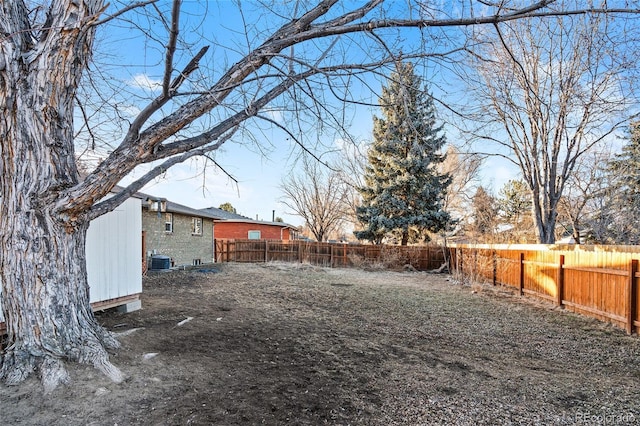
[586,209]
[464,169]
[605,203]
[351,161]
[318,195]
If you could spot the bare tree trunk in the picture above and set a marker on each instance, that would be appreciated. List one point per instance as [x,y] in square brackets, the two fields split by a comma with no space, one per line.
[42,257]
[42,260]
[549,117]
[545,221]
[48,315]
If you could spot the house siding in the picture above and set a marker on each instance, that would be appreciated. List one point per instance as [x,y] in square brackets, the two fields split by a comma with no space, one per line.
[113,249]
[240,230]
[180,245]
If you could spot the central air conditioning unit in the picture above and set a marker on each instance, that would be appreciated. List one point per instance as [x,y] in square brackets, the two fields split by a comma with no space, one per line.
[159,262]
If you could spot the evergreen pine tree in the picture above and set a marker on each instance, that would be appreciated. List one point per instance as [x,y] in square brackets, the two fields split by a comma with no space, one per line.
[515,202]
[515,205]
[403,193]
[485,215]
[625,173]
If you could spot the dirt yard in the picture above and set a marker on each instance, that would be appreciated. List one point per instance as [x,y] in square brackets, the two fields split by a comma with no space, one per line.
[282,344]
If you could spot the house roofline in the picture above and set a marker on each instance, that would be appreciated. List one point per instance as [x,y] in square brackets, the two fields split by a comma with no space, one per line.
[172,207]
[258,222]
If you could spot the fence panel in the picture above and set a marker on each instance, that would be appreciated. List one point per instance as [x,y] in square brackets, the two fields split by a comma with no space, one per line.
[281,251]
[596,284]
[540,274]
[508,267]
[598,281]
[328,254]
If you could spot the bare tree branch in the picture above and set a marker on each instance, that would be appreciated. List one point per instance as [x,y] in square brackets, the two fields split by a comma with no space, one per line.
[151,143]
[109,204]
[125,10]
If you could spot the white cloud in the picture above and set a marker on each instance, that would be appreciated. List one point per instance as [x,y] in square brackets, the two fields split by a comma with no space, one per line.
[352,149]
[142,81]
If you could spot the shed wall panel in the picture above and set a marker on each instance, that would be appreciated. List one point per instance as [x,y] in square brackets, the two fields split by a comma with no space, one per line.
[114,253]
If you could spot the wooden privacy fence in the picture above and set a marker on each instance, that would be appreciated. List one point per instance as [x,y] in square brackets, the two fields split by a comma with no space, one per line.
[328,254]
[597,281]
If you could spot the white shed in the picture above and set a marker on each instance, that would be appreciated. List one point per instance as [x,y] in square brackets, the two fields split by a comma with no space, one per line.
[114,258]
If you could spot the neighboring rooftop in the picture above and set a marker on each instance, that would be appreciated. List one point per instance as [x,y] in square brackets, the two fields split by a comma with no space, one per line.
[223,214]
[152,202]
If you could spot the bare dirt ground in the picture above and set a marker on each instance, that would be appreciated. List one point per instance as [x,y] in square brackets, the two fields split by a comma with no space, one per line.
[286,344]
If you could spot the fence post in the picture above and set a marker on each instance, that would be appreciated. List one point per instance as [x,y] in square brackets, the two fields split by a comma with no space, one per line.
[560,281]
[344,256]
[454,260]
[228,253]
[331,255]
[266,251]
[521,274]
[475,269]
[495,267]
[631,295]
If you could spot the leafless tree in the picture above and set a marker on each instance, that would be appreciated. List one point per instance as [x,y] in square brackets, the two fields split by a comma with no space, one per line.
[290,58]
[351,161]
[484,225]
[587,197]
[464,169]
[318,195]
[548,91]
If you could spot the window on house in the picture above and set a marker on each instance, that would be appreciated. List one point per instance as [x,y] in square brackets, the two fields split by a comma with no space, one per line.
[168,222]
[196,226]
[254,235]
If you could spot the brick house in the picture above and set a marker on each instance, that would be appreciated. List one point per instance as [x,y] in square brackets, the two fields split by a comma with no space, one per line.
[187,235]
[183,234]
[234,226]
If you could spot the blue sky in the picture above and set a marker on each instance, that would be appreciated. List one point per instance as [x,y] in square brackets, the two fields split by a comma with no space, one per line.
[256,194]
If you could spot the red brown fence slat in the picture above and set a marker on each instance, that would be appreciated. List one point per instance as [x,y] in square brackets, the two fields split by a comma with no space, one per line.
[328,254]
[597,281]
[631,306]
